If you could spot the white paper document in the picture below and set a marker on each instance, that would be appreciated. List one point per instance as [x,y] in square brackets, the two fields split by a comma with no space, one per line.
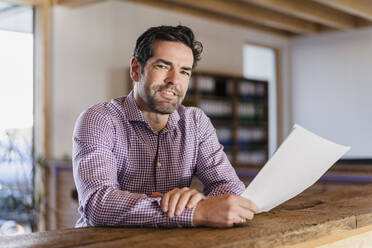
[297,164]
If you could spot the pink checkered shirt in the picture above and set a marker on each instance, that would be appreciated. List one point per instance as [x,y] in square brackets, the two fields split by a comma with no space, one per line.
[119,160]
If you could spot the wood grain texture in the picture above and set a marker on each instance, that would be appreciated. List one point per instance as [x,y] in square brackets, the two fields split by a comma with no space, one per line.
[362,8]
[202,13]
[310,11]
[32,2]
[361,237]
[317,212]
[256,14]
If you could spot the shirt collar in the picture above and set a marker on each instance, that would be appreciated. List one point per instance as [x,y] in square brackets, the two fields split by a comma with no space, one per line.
[133,113]
[131,109]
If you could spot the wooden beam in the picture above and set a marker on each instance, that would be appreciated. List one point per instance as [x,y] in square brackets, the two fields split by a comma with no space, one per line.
[209,15]
[31,2]
[75,3]
[310,11]
[47,5]
[252,13]
[361,8]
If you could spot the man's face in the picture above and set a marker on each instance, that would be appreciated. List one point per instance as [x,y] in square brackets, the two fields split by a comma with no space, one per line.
[163,82]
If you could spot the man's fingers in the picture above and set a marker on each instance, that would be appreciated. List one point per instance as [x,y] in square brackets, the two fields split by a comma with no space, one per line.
[245,214]
[156,194]
[165,201]
[173,201]
[183,200]
[176,200]
[188,199]
[194,200]
[248,204]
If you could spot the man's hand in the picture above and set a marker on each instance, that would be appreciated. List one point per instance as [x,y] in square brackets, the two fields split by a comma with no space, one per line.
[175,201]
[224,211]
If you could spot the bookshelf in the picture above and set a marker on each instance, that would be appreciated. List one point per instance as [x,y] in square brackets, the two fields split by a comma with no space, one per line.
[238,109]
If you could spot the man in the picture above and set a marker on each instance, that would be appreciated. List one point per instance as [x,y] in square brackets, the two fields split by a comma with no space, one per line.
[134,158]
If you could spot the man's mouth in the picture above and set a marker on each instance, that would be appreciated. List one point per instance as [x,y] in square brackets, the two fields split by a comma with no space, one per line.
[170,93]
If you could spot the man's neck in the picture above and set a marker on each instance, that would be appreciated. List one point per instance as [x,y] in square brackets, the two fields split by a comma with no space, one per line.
[157,121]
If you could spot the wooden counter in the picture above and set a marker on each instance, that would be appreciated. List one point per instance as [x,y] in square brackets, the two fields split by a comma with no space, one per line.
[318,212]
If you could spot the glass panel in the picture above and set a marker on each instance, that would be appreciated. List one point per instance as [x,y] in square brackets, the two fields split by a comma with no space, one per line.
[16,125]
[259,63]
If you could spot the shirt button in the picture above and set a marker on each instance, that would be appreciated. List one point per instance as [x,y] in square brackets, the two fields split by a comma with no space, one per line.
[158,164]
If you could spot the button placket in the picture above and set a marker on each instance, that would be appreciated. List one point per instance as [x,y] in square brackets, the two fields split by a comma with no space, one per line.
[160,184]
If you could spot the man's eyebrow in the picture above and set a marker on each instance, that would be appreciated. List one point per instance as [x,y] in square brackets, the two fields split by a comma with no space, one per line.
[187,68]
[163,61]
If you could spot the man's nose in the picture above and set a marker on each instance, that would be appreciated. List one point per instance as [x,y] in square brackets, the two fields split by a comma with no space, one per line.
[172,77]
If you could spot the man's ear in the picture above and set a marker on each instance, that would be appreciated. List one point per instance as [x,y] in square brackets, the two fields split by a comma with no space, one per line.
[135,69]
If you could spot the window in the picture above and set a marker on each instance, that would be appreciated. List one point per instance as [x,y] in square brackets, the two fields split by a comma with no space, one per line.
[16,111]
[259,63]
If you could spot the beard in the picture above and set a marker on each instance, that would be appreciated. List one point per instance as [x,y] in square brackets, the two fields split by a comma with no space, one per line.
[159,104]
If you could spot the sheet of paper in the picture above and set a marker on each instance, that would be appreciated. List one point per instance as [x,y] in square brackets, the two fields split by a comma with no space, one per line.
[297,164]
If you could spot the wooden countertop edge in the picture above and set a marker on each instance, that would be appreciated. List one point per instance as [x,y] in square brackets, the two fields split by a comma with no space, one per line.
[330,239]
[292,238]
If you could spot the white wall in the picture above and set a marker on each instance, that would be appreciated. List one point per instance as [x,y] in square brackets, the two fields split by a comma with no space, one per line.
[92,46]
[332,88]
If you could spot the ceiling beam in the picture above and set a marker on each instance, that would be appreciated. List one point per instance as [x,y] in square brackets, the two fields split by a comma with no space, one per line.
[361,8]
[252,13]
[31,2]
[209,15]
[75,3]
[310,11]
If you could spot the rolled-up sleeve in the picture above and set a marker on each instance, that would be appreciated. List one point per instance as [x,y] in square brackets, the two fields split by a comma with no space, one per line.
[212,166]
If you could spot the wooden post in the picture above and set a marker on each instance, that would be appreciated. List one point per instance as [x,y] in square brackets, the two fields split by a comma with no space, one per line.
[46,75]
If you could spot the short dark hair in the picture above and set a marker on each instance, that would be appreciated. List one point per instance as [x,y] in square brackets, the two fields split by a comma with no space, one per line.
[144,45]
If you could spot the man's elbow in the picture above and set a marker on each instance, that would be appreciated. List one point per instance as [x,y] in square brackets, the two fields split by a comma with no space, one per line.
[96,217]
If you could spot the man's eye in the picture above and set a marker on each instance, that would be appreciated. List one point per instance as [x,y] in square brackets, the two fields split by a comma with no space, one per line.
[161,66]
[186,73]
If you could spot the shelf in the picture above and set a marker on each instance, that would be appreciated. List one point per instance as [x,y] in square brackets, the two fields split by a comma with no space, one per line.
[227,149]
[189,101]
[243,166]
[252,147]
[252,123]
[250,99]
[216,98]
[236,106]
[222,122]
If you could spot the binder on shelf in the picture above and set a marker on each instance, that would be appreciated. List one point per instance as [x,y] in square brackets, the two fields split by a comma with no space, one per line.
[247,90]
[216,109]
[206,85]
[260,91]
[224,135]
[246,111]
[251,137]
[191,88]
[251,157]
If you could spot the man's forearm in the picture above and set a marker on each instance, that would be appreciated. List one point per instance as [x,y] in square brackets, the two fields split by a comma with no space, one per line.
[224,211]
[113,207]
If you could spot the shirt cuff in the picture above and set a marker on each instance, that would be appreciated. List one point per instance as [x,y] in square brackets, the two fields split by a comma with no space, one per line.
[184,220]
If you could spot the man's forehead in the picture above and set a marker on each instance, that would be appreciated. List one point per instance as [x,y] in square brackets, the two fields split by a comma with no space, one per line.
[173,50]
